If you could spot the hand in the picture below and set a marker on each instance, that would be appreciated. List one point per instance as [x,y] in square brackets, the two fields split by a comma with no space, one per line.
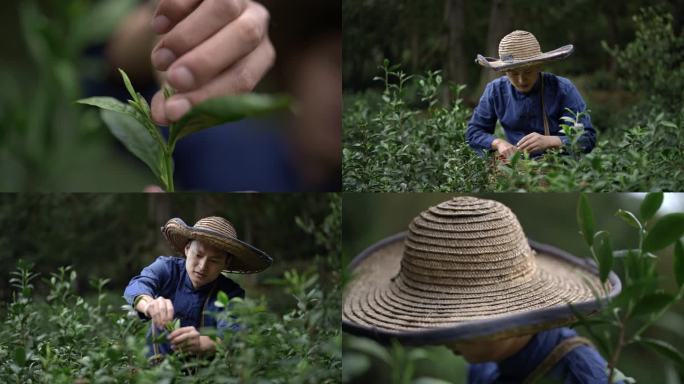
[535,142]
[504,148]
[160,310]
[209,49]
[186,339]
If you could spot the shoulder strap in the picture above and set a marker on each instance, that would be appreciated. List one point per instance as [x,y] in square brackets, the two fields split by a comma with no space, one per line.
[562,349]
[541,96]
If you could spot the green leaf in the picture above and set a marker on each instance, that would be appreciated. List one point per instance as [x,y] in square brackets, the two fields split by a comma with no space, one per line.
[20,356]
[220,110]
[221,300]
[650,205]
[665,231]
[652,303]
[368,347]
[585,219]
[629,218]
[108,103]
[135,137]
[604,254]
[129,86]
[678,263]
[664,348]
[172,325]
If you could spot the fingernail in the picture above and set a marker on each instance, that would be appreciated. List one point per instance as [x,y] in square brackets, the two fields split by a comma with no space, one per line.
[162,58]
[177,107]
[160,23]
[181,78]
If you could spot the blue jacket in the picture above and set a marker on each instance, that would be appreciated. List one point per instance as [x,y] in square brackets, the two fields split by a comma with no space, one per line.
[168,278]
[520,113]
[582,365]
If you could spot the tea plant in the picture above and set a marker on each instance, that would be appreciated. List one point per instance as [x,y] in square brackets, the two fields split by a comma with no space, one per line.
[132,123]
[65,338]
[397,143]
[624,321]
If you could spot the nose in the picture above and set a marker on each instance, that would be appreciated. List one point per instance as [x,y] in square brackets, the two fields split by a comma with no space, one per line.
[200,265]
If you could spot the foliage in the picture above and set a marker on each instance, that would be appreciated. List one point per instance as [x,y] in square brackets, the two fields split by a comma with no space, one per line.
[397,143]
[40,131]
[654,61]
[644,300]
[132,124]
[64,338]
[393,144]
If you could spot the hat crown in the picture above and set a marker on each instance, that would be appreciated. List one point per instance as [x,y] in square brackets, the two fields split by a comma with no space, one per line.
[466,242]
[519,45]
[216,224]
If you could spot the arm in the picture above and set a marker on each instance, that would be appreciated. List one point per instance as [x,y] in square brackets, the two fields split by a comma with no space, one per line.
[480,133]
[144,288]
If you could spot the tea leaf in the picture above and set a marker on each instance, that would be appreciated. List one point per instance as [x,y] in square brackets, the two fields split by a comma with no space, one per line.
[650,205]
[663,348]
[108,103]
[135,138]
[220,110]
[129,86]
[604,254]
[652,303]
[678,263]
[173,325]
[221,300]
[585,219]
[629,218]
[665,231]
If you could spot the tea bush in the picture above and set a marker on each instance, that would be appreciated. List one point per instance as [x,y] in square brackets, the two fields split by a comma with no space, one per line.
[404,139]
[66,338]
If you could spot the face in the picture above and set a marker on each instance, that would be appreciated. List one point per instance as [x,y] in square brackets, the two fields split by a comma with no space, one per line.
[484,351]
[204,263]
[523,79]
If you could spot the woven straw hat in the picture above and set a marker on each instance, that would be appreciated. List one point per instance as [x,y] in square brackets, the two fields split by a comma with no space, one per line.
[217,232]
[465,271]
[521,49]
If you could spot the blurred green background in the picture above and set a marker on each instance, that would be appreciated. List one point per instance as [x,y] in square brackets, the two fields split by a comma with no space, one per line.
[545,217]
[115,235]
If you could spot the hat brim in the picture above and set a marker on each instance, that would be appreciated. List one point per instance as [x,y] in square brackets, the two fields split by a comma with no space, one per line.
[375,306]
[501,65]
[246,258]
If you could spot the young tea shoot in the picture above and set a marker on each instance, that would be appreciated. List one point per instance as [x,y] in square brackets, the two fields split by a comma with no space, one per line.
[132,123]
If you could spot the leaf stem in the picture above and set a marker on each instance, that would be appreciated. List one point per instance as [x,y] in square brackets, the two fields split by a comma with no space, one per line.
[168,168]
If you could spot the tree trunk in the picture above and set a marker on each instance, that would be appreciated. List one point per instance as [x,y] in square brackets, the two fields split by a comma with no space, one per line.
[500,17]
[454,19]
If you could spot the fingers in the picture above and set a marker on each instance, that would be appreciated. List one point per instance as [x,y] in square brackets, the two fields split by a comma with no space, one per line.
[219,52]
[157,109]
[186,337]
[240,78]
[161,311]
[170,12]
[209,17]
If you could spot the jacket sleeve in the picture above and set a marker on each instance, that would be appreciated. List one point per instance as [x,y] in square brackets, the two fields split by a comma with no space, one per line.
[150,281]
[480,132]
[573,100]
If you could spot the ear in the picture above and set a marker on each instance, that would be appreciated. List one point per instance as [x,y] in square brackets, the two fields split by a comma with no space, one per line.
[229,258]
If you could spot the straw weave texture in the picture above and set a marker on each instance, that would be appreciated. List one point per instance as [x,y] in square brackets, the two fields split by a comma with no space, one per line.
[463,260]
[219,233]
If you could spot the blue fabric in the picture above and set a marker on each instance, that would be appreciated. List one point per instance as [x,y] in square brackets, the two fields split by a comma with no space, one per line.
[167,277]
[520,113]
[583,365]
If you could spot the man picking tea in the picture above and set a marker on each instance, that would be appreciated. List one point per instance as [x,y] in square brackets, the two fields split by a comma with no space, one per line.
[185,288]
